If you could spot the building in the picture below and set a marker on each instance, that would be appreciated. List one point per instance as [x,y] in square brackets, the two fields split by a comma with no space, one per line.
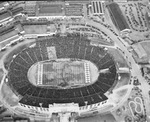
[4,16]
[97,7]
[30,8]
[117,17]
[139,50]
[121,1]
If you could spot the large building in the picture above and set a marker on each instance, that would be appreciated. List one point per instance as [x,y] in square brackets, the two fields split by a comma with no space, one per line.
[117,17]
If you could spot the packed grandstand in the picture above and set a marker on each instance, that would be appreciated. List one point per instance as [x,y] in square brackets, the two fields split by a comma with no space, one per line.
[72,47]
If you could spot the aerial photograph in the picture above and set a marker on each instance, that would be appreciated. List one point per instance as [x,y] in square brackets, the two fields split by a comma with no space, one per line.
[75,61]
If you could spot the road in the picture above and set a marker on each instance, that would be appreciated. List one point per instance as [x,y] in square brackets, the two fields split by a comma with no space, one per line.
[135,68]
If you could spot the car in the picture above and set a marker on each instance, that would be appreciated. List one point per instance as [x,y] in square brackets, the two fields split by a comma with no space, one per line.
[3,49]
[21,40]
[13,44]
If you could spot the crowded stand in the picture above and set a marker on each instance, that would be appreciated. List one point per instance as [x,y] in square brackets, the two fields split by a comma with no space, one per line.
[82,49]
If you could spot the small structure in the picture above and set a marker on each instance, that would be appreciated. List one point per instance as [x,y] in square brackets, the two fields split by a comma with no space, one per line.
[30,8]
[120,1]
[97,7]
[139,50]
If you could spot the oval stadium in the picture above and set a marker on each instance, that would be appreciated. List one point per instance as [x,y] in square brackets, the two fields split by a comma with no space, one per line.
[61,61]
[74,61]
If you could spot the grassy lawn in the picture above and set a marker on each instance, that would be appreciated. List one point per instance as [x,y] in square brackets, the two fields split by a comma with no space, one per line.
[146,46]
[1,74]
[35,29]
[50,9]
[118,57]
[9,96]
[98,118]
[125,78]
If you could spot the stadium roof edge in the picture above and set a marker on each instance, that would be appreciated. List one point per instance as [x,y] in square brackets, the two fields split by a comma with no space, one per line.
[66,0]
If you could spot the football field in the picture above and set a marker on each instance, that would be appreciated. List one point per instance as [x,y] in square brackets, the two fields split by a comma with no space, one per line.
[50,8]
[61,73]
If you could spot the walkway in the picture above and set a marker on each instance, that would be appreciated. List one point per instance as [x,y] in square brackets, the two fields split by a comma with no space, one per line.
[135,70]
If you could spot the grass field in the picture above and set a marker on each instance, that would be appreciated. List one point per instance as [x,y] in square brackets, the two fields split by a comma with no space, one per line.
[118,57]
[1,75]
[57,8]
[98,118]
[62,73]
[146,46]
[8,95]
[35,29]
[124,80]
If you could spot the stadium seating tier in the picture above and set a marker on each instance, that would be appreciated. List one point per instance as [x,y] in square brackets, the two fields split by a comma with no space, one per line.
[66,47]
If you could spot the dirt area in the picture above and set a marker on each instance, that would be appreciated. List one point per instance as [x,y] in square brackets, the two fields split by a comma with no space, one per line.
[125,78]
[93,72]
[1,74]
[118,57]
[8,95]
[121,93]
[146,47]
[35,29]
[98,118]
[32,74]
[101,42]
[136,36]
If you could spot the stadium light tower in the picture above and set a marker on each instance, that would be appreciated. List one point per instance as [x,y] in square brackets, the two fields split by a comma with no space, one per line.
[41,104]
[6,80]
[86,102]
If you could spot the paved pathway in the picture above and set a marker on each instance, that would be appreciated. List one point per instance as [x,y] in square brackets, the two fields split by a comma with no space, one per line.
[135,70]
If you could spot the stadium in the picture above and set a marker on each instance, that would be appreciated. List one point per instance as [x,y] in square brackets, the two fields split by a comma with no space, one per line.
[45,51]
[67,61]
